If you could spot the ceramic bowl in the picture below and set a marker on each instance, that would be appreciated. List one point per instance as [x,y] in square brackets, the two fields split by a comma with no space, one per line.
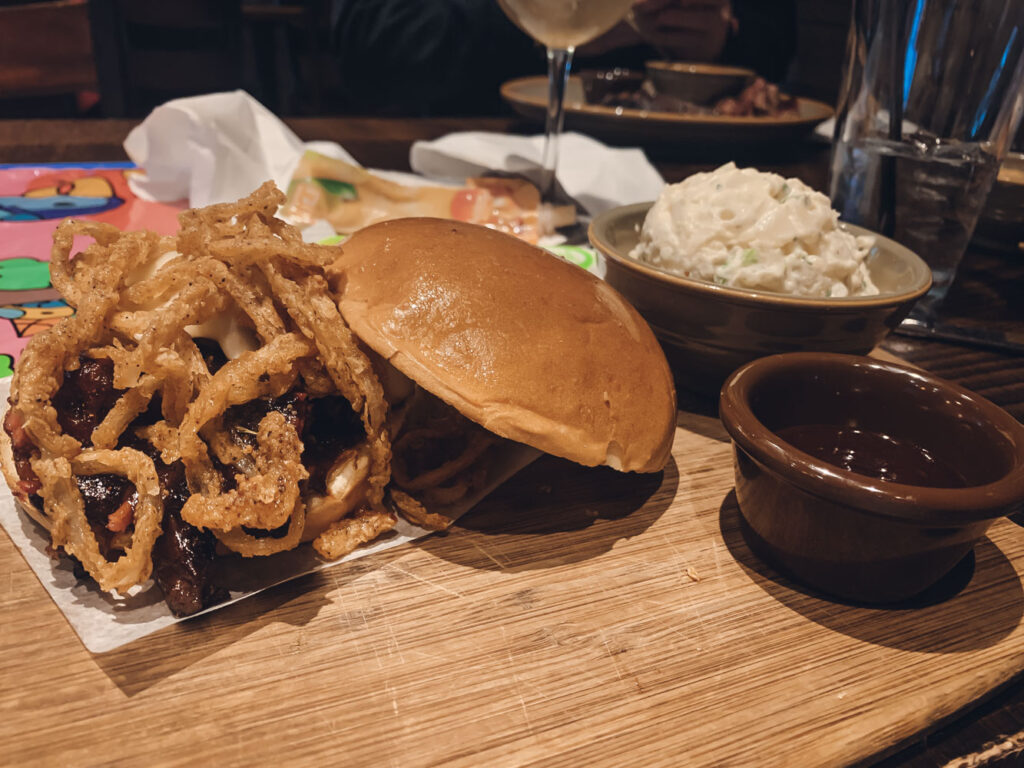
[700,83]
[598,83]
[953,463]
[708,331]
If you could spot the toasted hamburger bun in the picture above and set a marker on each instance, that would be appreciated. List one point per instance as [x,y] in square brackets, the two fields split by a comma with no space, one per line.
[530,347]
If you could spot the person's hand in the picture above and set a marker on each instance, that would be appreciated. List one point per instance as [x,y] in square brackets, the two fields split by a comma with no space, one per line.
[692,30]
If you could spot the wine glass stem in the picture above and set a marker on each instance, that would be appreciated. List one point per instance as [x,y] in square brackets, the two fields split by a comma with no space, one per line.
[559,62]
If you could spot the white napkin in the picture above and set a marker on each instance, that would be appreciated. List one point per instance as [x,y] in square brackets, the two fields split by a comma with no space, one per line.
[596,176]
[215,149]
[220,147]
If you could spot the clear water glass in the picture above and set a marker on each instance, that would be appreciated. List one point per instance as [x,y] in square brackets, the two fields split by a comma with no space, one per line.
[932,94]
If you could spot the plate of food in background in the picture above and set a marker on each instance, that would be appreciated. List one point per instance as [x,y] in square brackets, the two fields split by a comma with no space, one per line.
[673,101]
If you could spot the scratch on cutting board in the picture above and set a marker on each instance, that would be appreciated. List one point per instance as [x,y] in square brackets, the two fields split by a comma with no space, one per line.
[690,572]
[381,663]
[375,648]
[433,656]
[394,700]
[518,682]
[641,563]
[394,639]
[608,648]
[390,692]
[360,611]
[535,688]
[334,577]
[489,556]
[426,581]
[332,724]
[360,647]
[386,616]
[700,620]
[714,551]
[658,618]
[281,646]
[675,556]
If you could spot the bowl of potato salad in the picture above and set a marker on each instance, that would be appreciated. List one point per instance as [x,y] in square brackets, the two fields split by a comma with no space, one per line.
[735,264]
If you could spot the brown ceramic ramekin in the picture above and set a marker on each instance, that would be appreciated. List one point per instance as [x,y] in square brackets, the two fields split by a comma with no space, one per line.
[849,534]
[708,330]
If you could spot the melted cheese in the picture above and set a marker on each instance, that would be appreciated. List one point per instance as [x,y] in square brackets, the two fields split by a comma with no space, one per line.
[228,330]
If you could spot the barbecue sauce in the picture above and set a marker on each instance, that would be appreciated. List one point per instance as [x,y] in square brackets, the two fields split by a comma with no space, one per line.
[873,454]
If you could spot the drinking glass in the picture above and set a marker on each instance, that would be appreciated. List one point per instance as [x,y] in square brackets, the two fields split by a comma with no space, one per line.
[561,25]
[932,94]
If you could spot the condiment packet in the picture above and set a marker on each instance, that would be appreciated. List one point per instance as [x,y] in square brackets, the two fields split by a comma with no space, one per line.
[104,622]
[350,198]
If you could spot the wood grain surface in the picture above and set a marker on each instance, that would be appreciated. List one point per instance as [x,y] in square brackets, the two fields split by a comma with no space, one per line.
[579,617]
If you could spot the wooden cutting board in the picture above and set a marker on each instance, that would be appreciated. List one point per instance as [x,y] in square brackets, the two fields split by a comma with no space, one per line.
[578,618]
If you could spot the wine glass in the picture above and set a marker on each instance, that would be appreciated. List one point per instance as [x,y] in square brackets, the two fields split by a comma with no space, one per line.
[561,25]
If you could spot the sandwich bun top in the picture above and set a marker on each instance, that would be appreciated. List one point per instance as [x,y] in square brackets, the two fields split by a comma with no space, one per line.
[530,347]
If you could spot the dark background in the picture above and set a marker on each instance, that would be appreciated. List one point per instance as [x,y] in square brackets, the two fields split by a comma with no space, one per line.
[120,58]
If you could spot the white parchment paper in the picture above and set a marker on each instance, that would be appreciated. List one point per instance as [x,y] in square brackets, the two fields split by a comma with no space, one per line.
[104,622]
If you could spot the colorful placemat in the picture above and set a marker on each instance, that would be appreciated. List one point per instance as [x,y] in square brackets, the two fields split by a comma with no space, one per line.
[33,201]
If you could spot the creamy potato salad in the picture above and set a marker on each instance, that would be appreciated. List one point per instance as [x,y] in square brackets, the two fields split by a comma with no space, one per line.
[747,229]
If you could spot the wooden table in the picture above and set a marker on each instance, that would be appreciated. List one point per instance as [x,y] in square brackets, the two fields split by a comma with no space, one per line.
[566,622]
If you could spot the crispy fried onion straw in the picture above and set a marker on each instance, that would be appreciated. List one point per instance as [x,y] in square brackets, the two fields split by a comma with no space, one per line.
[70,528]
[444,485]
[136,296]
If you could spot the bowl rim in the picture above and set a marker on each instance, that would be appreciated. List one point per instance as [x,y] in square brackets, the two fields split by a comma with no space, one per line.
[511,91]
[700,68]
[747,295]
[909,503]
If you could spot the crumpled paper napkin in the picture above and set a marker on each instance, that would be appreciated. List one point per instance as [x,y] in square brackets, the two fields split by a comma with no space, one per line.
[220,147]
[215,148]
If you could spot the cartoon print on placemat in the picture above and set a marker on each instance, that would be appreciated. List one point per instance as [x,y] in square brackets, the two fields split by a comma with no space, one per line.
[24,279]
[22,273]
[33,200]
[58,196]
[35,316]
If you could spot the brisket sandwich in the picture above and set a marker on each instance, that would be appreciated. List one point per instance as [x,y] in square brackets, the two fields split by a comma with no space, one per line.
[234,391]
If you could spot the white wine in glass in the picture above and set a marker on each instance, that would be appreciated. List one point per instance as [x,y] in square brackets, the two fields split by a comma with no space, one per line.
[561,25]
